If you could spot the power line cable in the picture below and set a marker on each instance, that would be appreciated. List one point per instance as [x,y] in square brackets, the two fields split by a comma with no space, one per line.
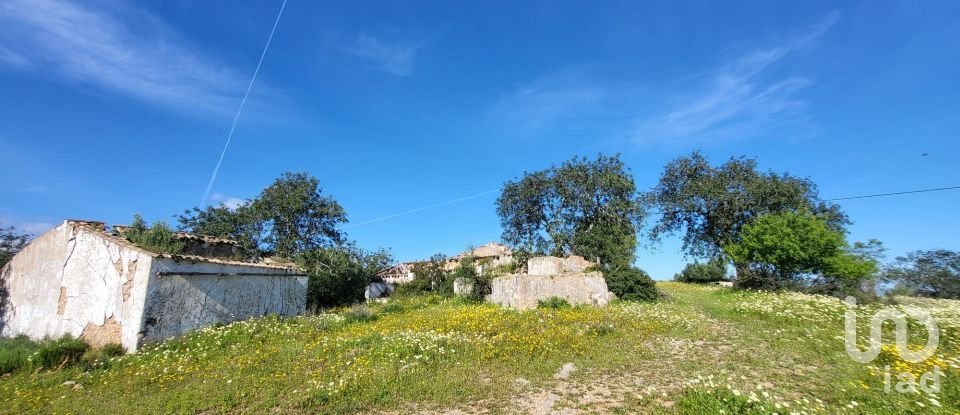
[449,202]
[481,194]
[233,127]
[894,193]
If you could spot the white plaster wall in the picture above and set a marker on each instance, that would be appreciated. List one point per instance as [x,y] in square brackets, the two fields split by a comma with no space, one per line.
[178,303]
[71,279]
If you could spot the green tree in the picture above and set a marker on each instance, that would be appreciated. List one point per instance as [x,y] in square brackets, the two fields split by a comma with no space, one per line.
[429,276]
[338,275]
[585,207]
[288,217]
[711,205]
[11,242]
[296,216]
[797,250]
[480,281]
[696,272]
[239,224]
[934,273]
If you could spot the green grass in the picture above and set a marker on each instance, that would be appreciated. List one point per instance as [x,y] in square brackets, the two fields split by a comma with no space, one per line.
[20,354]
[700,350]
[15,353]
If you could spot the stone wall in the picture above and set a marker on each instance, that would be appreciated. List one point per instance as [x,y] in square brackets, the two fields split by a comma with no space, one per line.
[523,291]
[551,265]
[462,286]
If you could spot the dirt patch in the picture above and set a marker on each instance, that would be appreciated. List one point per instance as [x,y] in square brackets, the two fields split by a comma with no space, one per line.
[62,302]
[98,336]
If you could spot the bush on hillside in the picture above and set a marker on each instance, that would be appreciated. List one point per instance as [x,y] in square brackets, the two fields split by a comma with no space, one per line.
[631,284]
[711,271]
[429,277]
[15,353]
[339,275]
[467,271]
[555,303]
[59,353]
[23,354]
[360,313]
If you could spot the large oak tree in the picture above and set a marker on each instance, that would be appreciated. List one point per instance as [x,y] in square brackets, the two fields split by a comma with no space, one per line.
[288,217]
[584,207]
[710,204]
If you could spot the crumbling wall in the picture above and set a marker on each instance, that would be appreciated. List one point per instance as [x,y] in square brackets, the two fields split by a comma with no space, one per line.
[71,280]
[184,295]
[211,247]
[523,291]
[548,277]
[463,286]
[551,265]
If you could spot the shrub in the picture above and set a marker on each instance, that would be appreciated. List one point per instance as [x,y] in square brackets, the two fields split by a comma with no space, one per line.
[158,238]
[15,353]
[555,303]
[360,313]
[711,271]
[430,276]
[631,284]
[58,353]
[467,271]
[112,350]
[21,353]
[409,289]
[392,307]
[339,275]
[100,357]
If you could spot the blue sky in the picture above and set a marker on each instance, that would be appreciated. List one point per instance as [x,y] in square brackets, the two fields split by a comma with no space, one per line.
[114,107]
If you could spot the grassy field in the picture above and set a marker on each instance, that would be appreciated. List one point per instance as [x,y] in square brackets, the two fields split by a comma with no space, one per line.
[700,350]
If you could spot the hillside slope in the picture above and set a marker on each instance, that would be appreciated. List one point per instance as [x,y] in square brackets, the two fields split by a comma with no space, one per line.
[700,350]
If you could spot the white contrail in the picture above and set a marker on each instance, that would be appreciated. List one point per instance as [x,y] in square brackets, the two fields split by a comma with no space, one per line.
[236,117]
[381,219]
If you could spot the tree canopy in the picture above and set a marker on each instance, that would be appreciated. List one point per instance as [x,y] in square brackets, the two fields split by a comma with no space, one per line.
[157,238]
[585,207]
[934,273]
[711,204]
[339,274]
[796,249]
[288,217]
[11,242]
[711,271]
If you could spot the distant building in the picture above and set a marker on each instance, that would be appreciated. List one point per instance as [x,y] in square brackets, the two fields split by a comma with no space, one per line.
[398,274]
[83,280]
[485,257]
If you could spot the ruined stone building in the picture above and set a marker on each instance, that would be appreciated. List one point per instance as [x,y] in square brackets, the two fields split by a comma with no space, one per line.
[485,257]
[83,280]
[546,277]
